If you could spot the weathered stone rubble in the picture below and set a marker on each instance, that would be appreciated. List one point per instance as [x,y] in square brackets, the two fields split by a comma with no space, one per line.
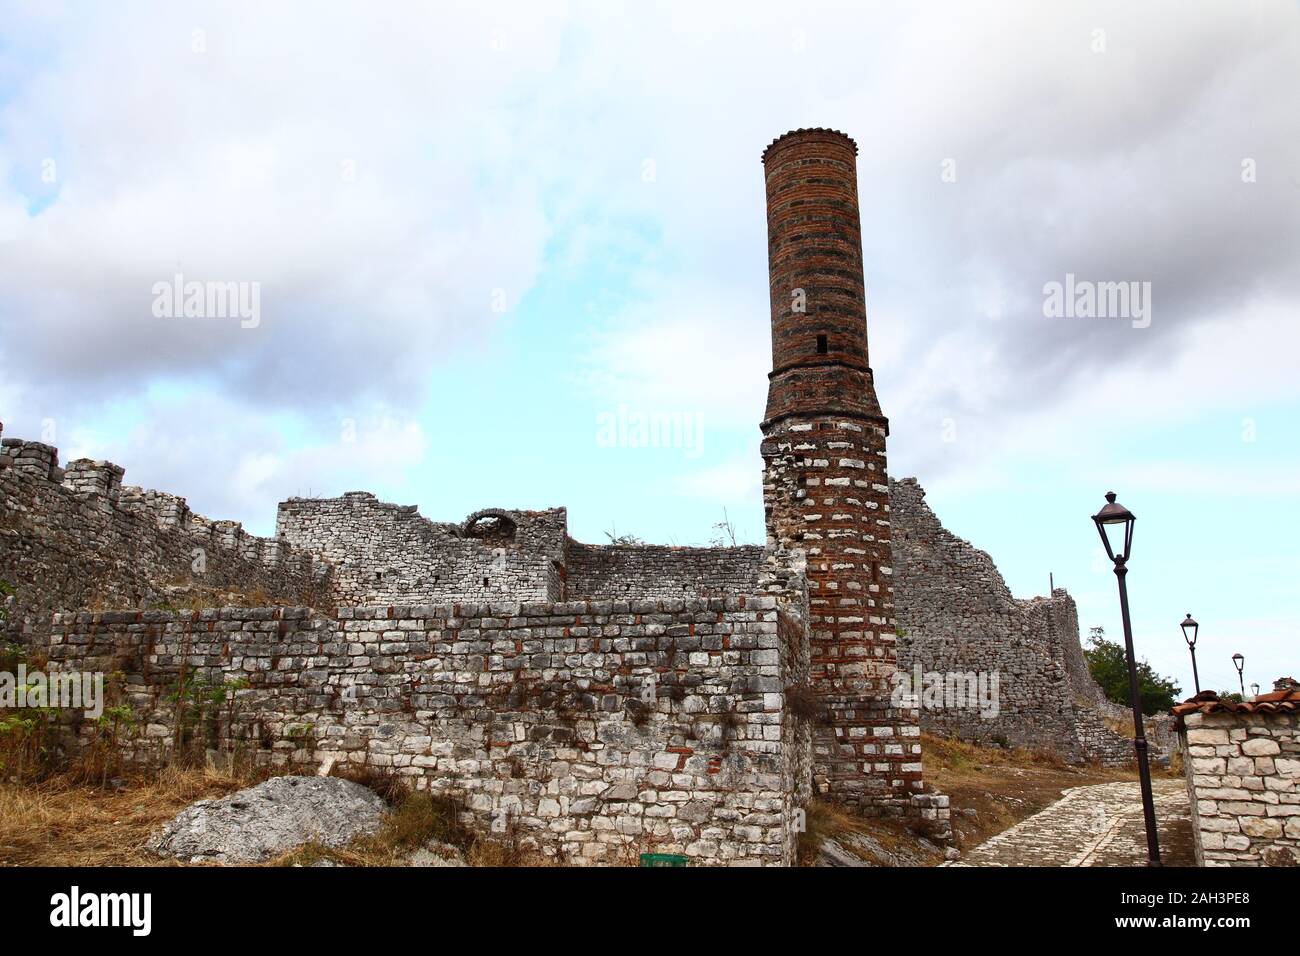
[76,537]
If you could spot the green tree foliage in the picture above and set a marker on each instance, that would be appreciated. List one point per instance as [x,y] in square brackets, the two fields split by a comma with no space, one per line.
[1109,668]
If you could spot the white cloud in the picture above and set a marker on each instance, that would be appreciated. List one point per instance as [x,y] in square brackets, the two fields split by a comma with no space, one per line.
[381,176]
[689,349]
[474,136]
[343,169]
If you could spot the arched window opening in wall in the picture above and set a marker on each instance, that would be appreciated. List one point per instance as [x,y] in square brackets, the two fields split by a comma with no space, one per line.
[492,526]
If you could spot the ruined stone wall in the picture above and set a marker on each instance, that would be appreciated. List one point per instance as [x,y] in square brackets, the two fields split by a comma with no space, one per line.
[76,537]
[391,554]
[957,616]
[540,715]
[783,575]
[1243,779]
[605,572]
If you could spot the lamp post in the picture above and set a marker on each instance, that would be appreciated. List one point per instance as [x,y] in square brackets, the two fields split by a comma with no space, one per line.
[1239,662]
[1254,690]
[1115,525]
[1190,630]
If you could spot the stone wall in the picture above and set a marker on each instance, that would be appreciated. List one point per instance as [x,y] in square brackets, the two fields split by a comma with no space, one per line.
[957,616]
[77,537]
[1243,779]
[604,572]
[594,730]
[391,554]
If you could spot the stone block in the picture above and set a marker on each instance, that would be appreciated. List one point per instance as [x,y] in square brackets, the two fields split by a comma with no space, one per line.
[1260,747]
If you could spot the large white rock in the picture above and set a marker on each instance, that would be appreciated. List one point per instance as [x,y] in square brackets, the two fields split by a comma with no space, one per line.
[271,818]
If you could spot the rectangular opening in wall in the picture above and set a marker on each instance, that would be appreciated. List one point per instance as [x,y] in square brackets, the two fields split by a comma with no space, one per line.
[485,582]
[821,345]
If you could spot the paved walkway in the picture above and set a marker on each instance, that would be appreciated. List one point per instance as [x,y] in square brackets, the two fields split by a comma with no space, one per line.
[1100,825]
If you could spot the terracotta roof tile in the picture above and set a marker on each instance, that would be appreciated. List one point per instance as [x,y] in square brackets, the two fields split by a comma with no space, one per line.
[1207,702]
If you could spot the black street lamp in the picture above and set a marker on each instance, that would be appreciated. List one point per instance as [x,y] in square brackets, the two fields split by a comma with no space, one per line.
[1239,662]
[1190,630]
[1254,690]
[1115,525]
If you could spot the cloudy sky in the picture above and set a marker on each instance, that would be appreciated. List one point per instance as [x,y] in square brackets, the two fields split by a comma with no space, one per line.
[481,232]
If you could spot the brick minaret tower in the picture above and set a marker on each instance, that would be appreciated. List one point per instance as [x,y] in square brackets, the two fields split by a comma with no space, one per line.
[825,490]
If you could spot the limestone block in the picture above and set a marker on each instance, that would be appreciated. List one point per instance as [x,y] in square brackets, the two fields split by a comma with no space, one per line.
[1260,747]
[1261,827]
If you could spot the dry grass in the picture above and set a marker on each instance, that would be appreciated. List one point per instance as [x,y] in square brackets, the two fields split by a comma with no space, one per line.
[419,818]
[496,854]
[952,755]
[388,785]
[1122,726]
[891,840]
[57,823]
[183,594]
[826,820]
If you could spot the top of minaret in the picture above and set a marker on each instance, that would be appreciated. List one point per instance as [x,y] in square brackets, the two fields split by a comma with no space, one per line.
[818,301]
[811,132]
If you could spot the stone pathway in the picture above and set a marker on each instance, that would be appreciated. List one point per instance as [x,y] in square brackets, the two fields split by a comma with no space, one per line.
[1100,825]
